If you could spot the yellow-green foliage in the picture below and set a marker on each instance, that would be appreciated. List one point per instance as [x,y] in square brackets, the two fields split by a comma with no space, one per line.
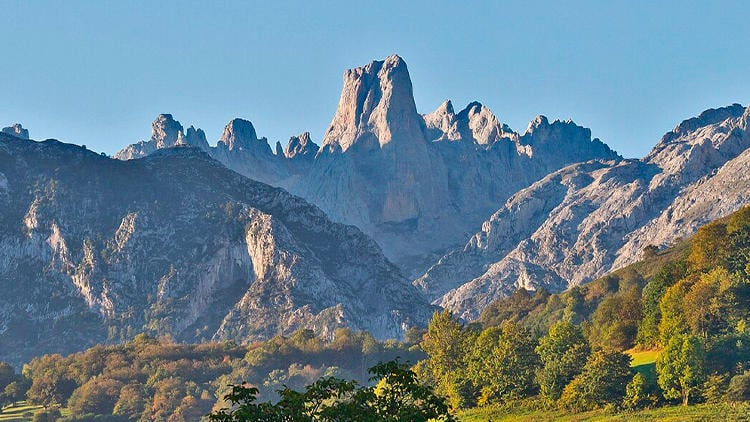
[703,412]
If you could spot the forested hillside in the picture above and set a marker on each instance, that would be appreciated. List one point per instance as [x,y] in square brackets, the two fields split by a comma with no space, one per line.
[689,305]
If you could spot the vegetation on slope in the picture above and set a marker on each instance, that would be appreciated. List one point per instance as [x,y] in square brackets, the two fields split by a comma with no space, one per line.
[682,314]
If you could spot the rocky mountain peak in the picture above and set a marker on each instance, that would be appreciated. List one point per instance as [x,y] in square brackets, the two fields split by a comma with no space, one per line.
[708,117]
[165,130]
[481,123]
[16,130]
[301,146]
[536,124]
[446,108]
[440,124]
[475,123]
[239,133]
[193,137]
[376,107]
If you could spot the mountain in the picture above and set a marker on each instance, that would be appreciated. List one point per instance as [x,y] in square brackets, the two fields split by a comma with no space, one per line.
[418,184]
[594,217]
[97,250]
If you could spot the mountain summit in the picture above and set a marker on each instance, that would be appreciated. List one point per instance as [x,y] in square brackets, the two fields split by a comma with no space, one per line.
[418,184]
[376,107]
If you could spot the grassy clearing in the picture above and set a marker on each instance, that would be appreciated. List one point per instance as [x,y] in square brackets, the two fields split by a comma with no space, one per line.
[18,413]
[647,357]
[705,412]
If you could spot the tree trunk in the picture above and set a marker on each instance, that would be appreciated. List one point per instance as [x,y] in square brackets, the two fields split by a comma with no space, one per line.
[685,397]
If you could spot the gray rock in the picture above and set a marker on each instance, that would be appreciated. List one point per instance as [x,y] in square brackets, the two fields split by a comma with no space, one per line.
[16,130]
[418,184]
[92,250]
[592,218]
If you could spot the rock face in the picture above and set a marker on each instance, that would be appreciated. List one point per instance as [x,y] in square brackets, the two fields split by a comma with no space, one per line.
[93,250]
[587,219]
[418,184]
[16,130]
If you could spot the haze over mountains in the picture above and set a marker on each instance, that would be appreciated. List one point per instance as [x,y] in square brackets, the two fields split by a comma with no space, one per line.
[167,239]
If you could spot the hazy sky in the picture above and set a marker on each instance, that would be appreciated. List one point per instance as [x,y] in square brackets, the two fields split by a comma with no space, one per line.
[97,73]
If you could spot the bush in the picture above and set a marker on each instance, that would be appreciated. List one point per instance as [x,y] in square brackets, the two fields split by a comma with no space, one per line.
[739,387]
[637,392]
[49,415]
[715,388]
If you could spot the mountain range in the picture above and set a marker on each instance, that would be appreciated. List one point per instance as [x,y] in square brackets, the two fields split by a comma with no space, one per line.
[417,184]
[242,241]
[94,249]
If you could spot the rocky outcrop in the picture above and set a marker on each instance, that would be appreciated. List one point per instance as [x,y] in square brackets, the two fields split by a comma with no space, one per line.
[585,220]
[419,184]
[93,250]
[299,148]
[16,130]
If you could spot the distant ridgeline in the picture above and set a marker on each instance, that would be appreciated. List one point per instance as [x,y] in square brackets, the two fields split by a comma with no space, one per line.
[690,303]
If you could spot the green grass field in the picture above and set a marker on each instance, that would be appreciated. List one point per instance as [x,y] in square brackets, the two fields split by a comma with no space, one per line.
[704,412]
[647,357]
[21,412]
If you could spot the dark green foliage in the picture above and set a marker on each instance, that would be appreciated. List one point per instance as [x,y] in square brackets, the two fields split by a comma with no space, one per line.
[739,387]
[46,415]
[648,328]
[681,368]
[562,353]
[397,396]
[640,392]
[715,387]
[615,321]
[603,381]
[503,363]
[516,308]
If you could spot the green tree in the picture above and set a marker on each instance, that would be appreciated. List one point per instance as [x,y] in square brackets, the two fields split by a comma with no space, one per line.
[14,392]
[704,306]
[680,367]
[603,381]
[562,353]
[503,363]
[446,345]
[615,320]
[671,306]
[739,387]
[708,247]
[648,327]
[637,392]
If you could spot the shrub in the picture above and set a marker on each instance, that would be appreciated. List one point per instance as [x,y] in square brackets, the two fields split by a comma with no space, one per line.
[739,387]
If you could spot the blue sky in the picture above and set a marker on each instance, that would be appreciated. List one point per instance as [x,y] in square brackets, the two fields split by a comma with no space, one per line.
[97,73]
